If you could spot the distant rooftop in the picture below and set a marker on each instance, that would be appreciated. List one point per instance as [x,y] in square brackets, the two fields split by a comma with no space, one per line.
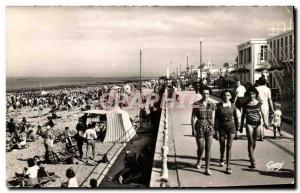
[253,40]
[281,34]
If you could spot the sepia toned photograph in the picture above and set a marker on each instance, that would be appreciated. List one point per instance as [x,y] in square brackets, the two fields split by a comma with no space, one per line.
[150,97]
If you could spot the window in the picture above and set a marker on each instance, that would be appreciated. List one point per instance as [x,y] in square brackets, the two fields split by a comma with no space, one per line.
[274,48]
[285,47]
[281,49]
[277,50]
[270,48]
[244,56]
[249,54]
[291,47]
[241,57]
[263,53]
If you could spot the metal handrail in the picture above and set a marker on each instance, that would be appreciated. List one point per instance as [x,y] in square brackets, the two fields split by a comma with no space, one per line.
[277,74]
[288,62]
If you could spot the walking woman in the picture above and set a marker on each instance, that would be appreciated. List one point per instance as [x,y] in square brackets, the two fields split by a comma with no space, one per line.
[226,127]
[203,130]
[252,112]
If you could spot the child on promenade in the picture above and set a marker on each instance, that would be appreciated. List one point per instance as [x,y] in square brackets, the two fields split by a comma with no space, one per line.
[276,121]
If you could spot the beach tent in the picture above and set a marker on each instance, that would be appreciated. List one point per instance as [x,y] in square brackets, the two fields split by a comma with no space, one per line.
[44,92]
[105,88]
[127,89]
[119,127]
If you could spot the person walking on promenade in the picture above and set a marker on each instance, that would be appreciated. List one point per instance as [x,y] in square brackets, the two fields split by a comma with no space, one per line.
[204,113]
[239,99]
[239,95]
[264,96]
[252,112]
[226,126]
[90,135]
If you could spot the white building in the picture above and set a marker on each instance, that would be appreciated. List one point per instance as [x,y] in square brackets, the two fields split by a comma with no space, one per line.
[276,51]
[251,56]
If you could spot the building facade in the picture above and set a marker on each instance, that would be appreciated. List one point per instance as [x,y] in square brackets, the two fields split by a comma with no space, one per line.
[281,52]
[251,55]
[276,51]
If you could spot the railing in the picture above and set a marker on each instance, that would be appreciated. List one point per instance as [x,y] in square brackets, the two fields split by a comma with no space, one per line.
[285,58]
[277,75]
[160,175]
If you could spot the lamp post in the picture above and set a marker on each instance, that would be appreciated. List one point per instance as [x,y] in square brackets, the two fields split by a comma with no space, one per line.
[200,60]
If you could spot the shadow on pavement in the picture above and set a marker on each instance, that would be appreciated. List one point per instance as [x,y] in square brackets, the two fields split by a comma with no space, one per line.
[282,173]
[183,156]
[179,165]
[281,147]
[188,136]
[235,164]
[186,124]
[245,160]
[222,171]
[250,170]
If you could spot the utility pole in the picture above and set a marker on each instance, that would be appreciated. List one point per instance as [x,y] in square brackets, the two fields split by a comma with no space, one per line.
[200,59]
[180,70]
[140,114]
[187,64]
[141,67]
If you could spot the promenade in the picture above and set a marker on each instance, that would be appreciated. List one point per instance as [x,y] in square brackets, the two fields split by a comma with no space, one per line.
[182,157]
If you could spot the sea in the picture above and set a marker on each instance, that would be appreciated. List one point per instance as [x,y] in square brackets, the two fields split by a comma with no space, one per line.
[23,83]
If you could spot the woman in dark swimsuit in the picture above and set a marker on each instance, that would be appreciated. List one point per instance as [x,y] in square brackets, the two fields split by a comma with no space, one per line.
[253,114]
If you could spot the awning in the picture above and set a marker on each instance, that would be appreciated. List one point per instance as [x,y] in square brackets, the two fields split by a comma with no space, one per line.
[268,67]
[242,70]
[233,71]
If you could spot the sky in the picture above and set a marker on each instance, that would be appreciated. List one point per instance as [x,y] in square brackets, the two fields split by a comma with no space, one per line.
[106,41]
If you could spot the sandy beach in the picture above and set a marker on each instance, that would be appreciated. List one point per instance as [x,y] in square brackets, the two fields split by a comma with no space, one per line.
[16,159]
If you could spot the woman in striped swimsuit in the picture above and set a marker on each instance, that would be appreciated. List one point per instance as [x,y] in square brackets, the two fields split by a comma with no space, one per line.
[253,114]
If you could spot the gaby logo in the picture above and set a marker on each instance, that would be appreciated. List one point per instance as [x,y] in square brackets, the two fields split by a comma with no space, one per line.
[274,166]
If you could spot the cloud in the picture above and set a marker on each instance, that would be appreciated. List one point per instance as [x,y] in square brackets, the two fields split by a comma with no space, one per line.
[104,41]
